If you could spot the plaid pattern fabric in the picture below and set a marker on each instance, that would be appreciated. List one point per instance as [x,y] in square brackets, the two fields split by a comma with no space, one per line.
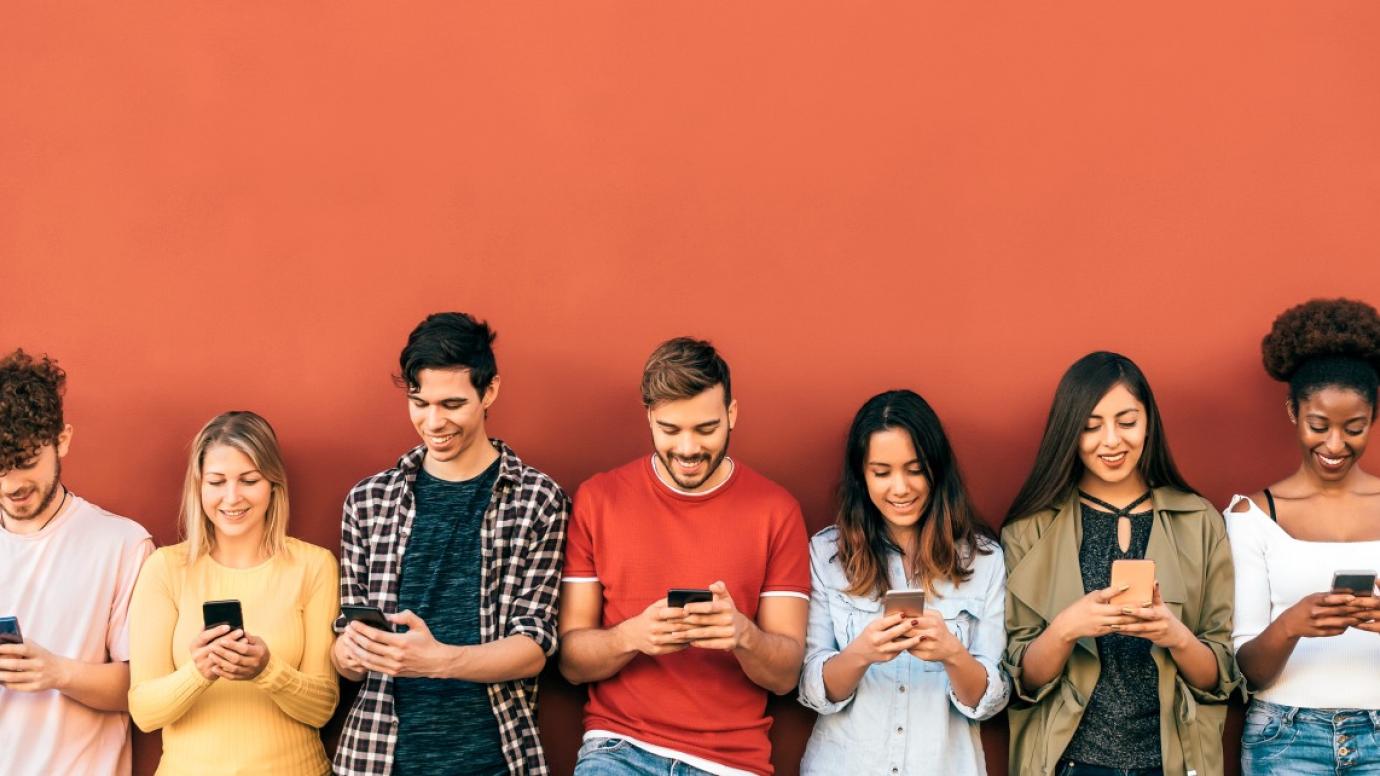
[522,549]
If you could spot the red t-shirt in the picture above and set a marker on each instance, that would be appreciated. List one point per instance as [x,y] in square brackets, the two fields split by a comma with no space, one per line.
[638,538]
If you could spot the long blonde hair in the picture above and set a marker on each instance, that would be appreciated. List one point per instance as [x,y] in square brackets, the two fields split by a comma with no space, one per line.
[252,435]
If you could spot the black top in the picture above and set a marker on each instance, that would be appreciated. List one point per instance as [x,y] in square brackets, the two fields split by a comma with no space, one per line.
[1121,724]
[446,725]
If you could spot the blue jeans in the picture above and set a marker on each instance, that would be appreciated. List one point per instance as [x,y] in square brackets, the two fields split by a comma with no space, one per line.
[617,757]
[1279,740]
[1071,768]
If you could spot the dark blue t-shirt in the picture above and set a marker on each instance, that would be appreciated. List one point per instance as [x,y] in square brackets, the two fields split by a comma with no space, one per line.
[446,726]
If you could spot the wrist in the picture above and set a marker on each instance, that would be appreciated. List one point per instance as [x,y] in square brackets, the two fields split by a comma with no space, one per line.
[747,636]
[64,673]
[448,662]
[1062,632]
[956,658]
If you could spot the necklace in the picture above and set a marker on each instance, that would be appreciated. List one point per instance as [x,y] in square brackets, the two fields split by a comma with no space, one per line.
[1122,515]
[56,512]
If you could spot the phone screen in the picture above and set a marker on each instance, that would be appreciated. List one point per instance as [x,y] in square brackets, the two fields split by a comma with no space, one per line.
[369,615]
[9,631]
[1354,582]
[226,612]
[678,597]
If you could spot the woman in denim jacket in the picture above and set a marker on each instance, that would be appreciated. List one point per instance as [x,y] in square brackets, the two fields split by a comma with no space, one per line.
[902,694]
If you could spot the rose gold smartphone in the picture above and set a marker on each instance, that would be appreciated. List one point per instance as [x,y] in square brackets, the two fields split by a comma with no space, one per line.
[1140,575]
[910,603]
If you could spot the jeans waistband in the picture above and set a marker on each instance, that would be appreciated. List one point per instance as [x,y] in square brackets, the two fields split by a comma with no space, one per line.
[1329,717]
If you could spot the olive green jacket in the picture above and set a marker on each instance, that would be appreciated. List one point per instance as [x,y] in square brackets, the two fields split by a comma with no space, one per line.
[1188,542]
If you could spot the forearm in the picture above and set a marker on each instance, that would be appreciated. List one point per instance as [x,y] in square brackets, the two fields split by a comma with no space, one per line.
[770,660]
[1263,658]
[509,658]
[1196,662]
[842,673]
[309,698]
[1044,659]
[155,703]
[350,674]
[101,686]
[967,677]
[593,654]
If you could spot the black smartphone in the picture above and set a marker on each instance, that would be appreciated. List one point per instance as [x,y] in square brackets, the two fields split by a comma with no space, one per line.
[678,597]
[1354,582]
[226,612]
[9,631]
[369,615]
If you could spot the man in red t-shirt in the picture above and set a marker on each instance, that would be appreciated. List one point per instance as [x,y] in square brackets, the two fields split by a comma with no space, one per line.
[683,684]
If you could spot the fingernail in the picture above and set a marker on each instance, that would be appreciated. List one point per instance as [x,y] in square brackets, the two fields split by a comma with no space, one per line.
[914,622]
[1127,610]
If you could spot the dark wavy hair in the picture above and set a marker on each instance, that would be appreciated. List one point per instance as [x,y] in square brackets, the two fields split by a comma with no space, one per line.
[1322,343]
[1057,465]
[30,407]
[949,530]
[449,341]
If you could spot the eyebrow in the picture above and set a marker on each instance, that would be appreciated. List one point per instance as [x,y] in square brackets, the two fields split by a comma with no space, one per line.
[214,473]
[418,397]
[1320,416]
[911,462]
[1119,414]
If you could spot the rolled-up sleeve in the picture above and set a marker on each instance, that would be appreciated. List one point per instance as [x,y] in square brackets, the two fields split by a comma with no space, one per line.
[534,604]
[1215,632]
[988,645]
[1023,624]
[820,644]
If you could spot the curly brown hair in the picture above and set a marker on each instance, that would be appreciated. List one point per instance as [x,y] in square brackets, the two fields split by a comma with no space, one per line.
[30,407]
[1325,342]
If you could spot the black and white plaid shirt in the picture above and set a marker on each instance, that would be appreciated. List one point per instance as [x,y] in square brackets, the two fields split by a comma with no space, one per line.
[522,546]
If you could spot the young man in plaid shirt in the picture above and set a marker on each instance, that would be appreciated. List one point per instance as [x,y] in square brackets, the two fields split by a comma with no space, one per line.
[461,545]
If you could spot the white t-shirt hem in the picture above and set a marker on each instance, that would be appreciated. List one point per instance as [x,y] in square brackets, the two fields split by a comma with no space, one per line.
[671,754]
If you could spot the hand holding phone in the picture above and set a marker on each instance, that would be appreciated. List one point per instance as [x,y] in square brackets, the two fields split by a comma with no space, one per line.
[367,615]
[225,612]
[1138,579]
[1357,583]
[678,597]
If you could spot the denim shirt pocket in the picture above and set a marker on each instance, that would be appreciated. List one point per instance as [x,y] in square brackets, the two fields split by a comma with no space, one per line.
[960,617]
[851,614]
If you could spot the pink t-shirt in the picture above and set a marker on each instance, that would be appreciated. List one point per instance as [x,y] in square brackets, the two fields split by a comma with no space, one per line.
[69,585]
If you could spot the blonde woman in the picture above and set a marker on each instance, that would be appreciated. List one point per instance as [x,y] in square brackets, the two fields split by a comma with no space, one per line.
[235,700]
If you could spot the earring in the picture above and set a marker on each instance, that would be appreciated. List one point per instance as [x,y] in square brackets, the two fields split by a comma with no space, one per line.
[1289,408]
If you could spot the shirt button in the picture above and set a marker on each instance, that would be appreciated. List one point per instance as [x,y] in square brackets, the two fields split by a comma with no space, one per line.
[895,770]
[899,729]
[903,688]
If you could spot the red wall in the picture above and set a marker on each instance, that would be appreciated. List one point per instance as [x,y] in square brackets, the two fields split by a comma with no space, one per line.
[206,206]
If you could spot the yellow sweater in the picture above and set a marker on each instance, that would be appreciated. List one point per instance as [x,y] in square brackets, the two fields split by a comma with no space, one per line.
[268,724]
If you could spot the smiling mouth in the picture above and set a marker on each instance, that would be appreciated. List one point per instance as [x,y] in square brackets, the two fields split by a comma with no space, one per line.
[440,440]
[902,505]
[1332,462]
[1113,460]
[234,513]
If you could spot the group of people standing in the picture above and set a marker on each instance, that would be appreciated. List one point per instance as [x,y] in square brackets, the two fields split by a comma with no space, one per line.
[681,588]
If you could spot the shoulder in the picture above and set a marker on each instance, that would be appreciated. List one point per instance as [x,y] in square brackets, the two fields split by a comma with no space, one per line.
[622,478]
[311,555]
[757,486]
[166,560]
[1242,505]
[110,525]
[825,543]
[824,558]
[539,488]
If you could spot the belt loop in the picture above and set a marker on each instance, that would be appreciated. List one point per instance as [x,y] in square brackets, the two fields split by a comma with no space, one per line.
[1289,715]
[1374,719]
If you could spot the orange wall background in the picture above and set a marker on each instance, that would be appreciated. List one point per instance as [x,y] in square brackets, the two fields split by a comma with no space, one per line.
[207,206]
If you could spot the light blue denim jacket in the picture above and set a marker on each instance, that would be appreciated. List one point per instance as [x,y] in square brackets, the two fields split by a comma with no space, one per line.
[903,718]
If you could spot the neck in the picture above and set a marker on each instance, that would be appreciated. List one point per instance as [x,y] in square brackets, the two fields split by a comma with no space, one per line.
[41,520]
[1116,493]
[240,552]
[470,463]
[905,539]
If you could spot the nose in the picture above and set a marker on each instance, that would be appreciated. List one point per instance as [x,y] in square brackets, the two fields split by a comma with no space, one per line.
[1110,437]
[898,485]
[1334,441]
[433,417]
[232,492]
[686,447]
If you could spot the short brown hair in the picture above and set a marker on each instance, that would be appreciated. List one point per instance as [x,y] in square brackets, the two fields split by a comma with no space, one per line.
[30,407]
[682,368]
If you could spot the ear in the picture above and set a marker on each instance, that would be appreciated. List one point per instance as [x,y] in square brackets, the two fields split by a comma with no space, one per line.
[1289,408]
[491,392]
[64,441]
[732,414]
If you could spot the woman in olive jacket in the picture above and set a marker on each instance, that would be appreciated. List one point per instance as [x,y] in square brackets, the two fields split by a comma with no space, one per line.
[1139,687]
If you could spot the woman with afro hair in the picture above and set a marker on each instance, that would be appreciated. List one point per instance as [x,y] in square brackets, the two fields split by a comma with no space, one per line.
[1307,643]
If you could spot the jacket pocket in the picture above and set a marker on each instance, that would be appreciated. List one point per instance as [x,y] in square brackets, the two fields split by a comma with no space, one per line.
[960,617]
[851,614]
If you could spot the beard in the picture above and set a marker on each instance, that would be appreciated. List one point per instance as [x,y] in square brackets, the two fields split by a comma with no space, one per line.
[43,503]
[715,461]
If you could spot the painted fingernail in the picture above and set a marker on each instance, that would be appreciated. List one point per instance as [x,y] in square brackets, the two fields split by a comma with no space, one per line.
[914,622]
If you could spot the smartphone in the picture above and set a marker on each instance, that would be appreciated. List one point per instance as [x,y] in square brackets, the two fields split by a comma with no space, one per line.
[1140,576]
[9,631]
[225,612]
[1354,582]
[369,615]
[678,597]
[910,603]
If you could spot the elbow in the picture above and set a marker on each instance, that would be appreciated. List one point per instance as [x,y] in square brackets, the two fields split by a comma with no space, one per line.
[143,719]
[533,666]
[569,671]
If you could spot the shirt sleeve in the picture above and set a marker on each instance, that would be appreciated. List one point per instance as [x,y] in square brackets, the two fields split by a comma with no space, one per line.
[988,644]
[534,603]
[354,562]
[309,692]
[788,561]
[579,547]
[820,644]
[1023,625]
[1252,578]
[159,692]
[132,557]
[1215,624]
